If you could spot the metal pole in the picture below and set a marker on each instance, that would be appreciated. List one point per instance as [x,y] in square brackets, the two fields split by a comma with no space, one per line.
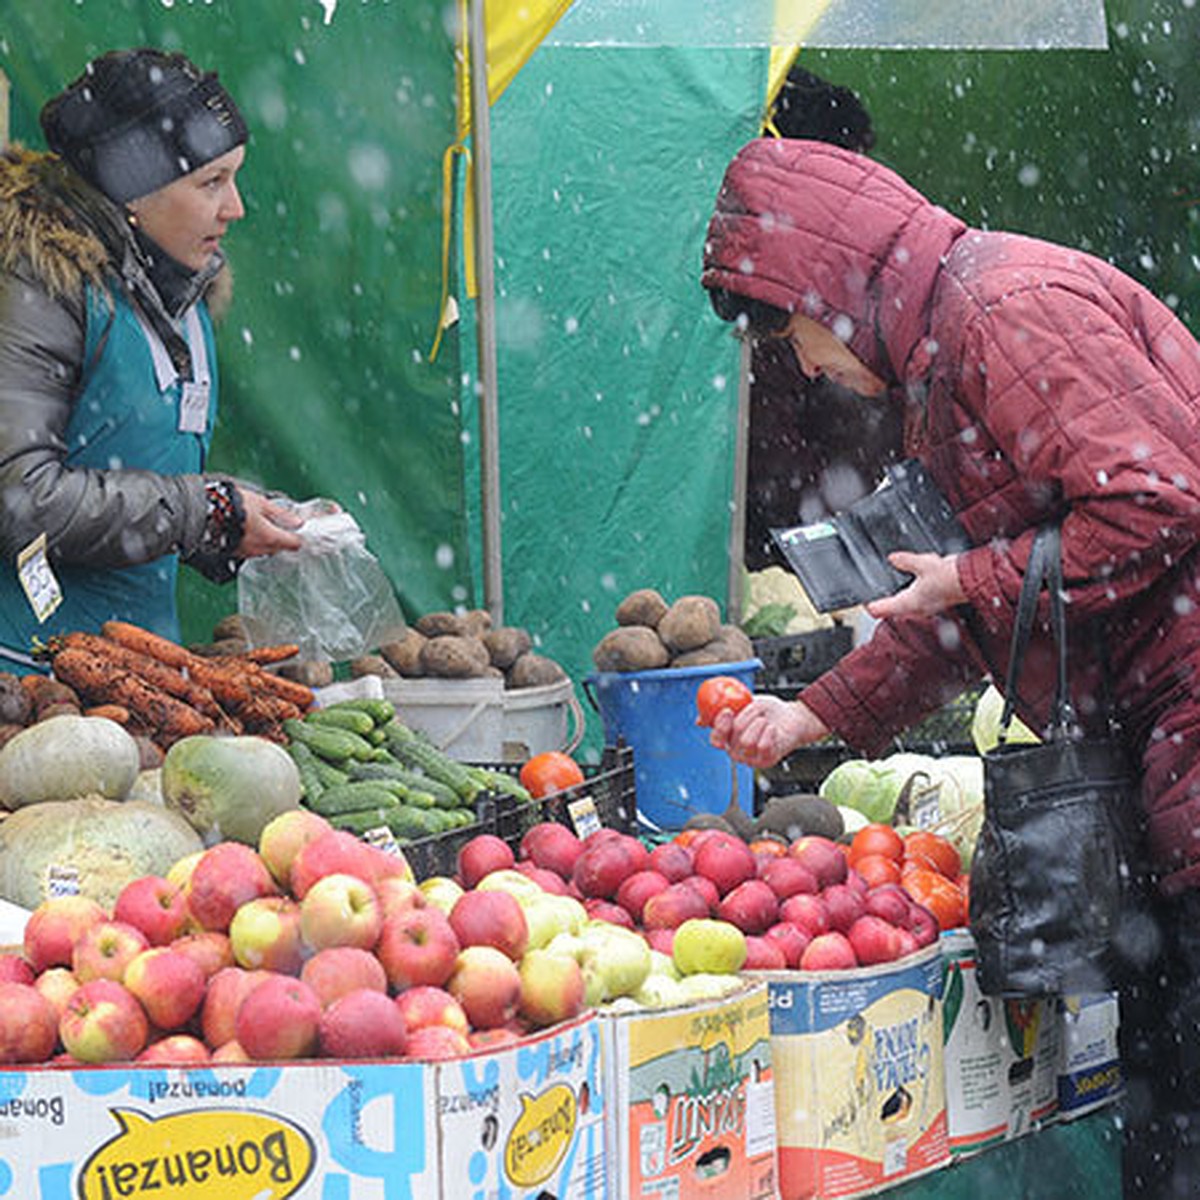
[737,515]
[489,416]
[3,110]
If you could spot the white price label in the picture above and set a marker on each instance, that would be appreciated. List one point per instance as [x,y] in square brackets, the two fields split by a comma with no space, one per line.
[37,579]
[584,816]
[61,881]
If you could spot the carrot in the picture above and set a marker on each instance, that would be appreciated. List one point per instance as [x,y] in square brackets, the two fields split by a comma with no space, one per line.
[265,655]
[114,712]
[287,689]
[263,710]
[145,642]
[102,683]
[152,670]
[229,686]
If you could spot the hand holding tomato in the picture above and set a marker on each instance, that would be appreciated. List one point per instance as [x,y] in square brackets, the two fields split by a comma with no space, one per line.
[719,693]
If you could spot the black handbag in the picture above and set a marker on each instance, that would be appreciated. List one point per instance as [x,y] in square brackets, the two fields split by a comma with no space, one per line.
[1052,878]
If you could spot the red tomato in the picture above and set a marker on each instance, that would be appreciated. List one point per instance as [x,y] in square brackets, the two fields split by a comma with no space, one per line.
[876,838]
[932,850]
[551,771]
[877,869]
[719,693]
[943,897]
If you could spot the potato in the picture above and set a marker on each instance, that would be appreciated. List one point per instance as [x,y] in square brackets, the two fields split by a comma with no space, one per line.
[475,622]
[453,657]
[232,626]
[534,670]
[371,664]
[691,622]
[312,672]
[730,645]
[643,607]
[16,705]
[507,644]
[630,648]
[8,731]
[710,655]
[440,624]
[404,655]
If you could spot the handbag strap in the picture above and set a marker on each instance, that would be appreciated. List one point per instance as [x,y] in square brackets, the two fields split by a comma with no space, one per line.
[1045,565]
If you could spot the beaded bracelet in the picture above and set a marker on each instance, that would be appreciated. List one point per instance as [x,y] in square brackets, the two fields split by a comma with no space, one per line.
[226,521]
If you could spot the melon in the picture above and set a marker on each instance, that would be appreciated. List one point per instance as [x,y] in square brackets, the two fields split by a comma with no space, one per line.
[65,757]
[93,845]
[228,788]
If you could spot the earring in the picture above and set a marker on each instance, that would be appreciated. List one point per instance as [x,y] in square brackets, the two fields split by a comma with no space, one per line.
[131,217]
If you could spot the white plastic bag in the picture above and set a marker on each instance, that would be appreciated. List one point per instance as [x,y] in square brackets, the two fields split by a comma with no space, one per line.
[330,597]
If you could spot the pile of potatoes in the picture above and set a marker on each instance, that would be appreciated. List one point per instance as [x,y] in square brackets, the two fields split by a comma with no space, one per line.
[451,645]
[652,634]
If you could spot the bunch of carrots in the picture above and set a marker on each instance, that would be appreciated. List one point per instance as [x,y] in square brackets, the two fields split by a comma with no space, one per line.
[161,689]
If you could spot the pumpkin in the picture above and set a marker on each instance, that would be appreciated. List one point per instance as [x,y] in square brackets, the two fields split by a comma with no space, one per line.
[94,844]
[228,788]
[65,757]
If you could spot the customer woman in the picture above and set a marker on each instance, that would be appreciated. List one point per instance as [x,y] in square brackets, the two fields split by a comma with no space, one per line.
[110,268]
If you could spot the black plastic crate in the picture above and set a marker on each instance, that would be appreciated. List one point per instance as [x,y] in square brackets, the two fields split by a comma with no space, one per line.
[609,785]
[790,662]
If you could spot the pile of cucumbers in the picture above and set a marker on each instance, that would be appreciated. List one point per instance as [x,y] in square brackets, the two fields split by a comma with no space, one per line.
[362,768]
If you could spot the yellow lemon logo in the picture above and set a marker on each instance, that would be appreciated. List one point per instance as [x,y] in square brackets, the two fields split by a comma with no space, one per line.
[540,1135]
[199,1156]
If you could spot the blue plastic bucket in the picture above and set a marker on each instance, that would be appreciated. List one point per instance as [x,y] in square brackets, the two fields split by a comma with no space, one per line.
[677,773]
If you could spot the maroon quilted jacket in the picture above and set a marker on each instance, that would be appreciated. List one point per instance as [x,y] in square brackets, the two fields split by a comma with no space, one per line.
[1037,381]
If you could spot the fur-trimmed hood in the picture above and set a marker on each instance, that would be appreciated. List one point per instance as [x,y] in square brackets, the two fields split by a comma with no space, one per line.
[58,228]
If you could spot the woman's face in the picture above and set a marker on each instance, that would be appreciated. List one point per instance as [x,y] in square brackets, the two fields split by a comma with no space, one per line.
[820,352]
[188,217]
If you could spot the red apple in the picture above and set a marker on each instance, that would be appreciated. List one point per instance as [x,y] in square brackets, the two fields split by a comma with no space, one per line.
[28,1024]
[487,984]
[15,968]
[363,1023]
[889,901]
[673,860]
[169,984]
[424,1005]
[705,887]
[906,943]
[607,910]
[662,940]
[764,954]
[175,1050]
[551,987]
[416,947]
[552,846]
[603,865]
[828,952]
[751,906]
[340,852]
[103,1022]
[283,835]
[432,1042]
[491,918]
[637,889]
[874,940]
[226,991]
[672,906]
[922,924]
[492,1039]
[857,882]
[480,856]
[153,905]
[341,910]
[806,912]
[843,905]
[57,984]
[822,857]
[55,926]
[104,950]
[336,970]
[396,894]
[786,876]
[791,939]
[266,934]
[225,877]
[726,860]
[230,1052]
[208,947]
[279,1019]
[547,880]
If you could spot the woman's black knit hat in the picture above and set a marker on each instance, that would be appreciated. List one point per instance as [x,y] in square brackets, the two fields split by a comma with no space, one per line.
[136,120]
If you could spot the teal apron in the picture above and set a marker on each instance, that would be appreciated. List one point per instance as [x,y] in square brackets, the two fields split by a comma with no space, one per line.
[127,416]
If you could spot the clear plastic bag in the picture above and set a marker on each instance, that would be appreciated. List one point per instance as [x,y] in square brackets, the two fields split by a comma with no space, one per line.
[330,597]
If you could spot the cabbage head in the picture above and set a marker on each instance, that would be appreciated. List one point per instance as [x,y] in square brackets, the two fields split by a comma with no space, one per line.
[985,724]
[872,786]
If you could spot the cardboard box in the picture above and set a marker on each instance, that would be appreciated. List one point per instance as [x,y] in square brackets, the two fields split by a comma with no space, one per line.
[1001,1056]
[525,1121]
[690,1100]
[1089,1070]
[860,1098]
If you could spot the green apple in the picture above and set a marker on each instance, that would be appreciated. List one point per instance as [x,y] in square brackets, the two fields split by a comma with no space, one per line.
[507,879]
[549,916]
[615,961]
[441,891]
[663,964]
[706,945]
[660,991]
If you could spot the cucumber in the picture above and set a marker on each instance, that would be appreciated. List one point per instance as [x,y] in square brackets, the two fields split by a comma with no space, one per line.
[329,775]
[355,795]
[407,822]
[361,820]
[332,744]
[380,711]
[444,796]
[415,751]
[501,781]
[342,718]
[311,784]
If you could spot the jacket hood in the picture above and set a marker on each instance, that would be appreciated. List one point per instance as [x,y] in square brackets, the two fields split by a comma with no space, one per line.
[837,236]
[57,227]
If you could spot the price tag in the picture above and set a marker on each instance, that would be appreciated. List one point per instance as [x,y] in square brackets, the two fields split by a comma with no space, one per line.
[193,408]
[383,839]
[61,881]
[584,816]
[925,805]
[37,579]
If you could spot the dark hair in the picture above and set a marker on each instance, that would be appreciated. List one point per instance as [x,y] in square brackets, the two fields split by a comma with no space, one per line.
[811,107]
[756,316]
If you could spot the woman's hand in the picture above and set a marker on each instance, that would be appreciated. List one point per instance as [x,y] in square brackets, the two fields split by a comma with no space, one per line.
[934,589]
[269,526]
[766,730]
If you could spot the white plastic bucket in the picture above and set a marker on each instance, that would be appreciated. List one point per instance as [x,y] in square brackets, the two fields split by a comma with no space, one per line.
[542,718]
[463,717]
